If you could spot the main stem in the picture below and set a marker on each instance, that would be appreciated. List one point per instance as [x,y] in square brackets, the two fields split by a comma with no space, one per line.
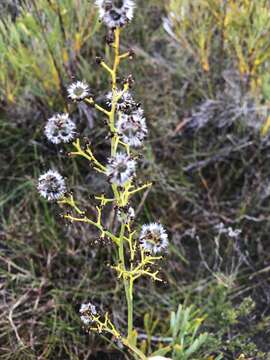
[116,45]
[128,283]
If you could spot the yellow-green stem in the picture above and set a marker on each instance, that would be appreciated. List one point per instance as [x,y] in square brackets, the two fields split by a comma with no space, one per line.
[136,351]
[114,89]
[127,283]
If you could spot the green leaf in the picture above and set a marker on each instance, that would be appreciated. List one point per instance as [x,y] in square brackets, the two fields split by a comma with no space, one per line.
[196,344]
[161,352]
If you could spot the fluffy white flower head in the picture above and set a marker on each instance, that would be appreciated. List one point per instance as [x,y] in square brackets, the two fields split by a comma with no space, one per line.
[120,169]
[132,128]
[60,128]
[78,91]
[87,312]
[115,13]
[51,185]
[153,238]
[125,103]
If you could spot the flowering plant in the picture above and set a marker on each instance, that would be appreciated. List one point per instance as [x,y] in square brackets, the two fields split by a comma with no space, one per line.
[137,252]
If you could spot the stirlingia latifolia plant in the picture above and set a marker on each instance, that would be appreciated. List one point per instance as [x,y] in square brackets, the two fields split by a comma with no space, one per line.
[128,130]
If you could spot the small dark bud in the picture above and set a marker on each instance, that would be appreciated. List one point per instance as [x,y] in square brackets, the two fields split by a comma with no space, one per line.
[110,37]
[110,135]
[86,140]
[98,60]
[129,80]
[131,54]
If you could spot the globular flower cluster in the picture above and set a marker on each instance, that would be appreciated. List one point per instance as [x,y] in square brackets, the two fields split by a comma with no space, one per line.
[87,312]
[153,238]
[115,13]
[121,169]
[78,91]
[131,124]
[51,185]
[125,103]
[132,128]
[60,128]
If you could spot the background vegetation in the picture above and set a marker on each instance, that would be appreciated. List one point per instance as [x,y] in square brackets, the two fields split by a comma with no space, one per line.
[202,73]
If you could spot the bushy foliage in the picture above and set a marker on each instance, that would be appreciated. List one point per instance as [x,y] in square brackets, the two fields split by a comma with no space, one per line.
[41,50]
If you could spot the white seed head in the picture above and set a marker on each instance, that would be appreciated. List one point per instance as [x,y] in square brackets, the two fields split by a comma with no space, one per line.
[60,128]
[51,185]
[125,103]
[126,215]
[132,128]
[154,238]
[115,13]
[78,91]
[120,169]
[87,312]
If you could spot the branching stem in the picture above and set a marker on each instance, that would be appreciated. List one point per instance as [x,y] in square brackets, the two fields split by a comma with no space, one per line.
[125,241]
